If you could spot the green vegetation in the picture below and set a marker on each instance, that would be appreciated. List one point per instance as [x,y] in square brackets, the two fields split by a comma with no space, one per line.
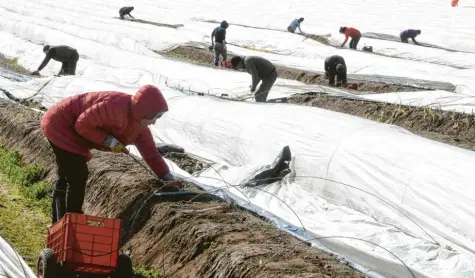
[12,64]
[27,178]
[141,272]
[21,222]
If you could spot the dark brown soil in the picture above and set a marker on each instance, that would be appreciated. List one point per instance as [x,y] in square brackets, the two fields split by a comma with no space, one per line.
[180,238]
[188,163]
[204,57]
[453,128]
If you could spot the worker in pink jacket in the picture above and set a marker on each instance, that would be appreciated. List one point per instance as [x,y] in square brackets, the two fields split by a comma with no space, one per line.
[107,121]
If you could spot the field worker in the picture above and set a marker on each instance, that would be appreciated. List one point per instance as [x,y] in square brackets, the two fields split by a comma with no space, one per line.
[218,42]
[107,121]
[295,24]
[410,33]
[61,53]
[355,35]
[125,11]
[260,69]
[335,66]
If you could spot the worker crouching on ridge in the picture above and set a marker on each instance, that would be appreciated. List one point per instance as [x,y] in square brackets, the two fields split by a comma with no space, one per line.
[295,24]
[260,69]
[125,11]
[107,121]
[335,67]
[410,34]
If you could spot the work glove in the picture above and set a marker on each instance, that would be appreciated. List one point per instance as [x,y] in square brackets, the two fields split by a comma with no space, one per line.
[35,73]
[115,145]
[171,181]
[211,47]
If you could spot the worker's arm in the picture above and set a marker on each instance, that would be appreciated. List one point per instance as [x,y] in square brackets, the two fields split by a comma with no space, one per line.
[212,36]
[346,39]
[414,40]
[251,66]
[150,154]
[46,60]
[299,28]
[130,15]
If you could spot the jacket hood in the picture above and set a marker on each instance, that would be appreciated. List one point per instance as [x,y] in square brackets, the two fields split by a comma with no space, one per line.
[147,101]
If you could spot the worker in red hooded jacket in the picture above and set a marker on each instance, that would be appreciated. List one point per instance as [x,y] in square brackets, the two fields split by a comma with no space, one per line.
[107,121]
[355,35]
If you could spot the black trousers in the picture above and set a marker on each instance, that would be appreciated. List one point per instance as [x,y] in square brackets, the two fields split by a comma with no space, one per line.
[404,39]
[354,42]
[69,66]
[70,187]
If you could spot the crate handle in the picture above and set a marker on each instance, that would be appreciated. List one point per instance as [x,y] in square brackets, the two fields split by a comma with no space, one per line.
[94,223]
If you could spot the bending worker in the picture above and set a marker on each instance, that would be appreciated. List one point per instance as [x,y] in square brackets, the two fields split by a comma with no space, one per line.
[295,24]
[218,42]
[260,69]
[335,66]
[355,35]
[67,55]
[125,11]
[410,33]
[107,121]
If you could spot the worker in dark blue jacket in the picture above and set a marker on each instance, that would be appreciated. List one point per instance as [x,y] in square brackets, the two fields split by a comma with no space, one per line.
[410,34]
[218,42]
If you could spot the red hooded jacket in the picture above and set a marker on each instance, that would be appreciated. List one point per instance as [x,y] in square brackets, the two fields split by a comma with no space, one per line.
[351,32]
[83,122]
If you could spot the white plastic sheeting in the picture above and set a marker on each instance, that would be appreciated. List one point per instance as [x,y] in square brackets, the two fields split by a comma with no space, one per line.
[11,263]
[427,181]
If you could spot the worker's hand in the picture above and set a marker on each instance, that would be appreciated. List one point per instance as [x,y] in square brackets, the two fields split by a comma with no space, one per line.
[175,184]
[35,73]
[170,180]
[115,145]
[211,47]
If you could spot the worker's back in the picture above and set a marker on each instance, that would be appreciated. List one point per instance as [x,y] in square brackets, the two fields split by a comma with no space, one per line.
[61,53]
[264,67]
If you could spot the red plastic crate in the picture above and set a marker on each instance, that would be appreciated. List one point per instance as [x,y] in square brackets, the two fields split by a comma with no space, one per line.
[86,243]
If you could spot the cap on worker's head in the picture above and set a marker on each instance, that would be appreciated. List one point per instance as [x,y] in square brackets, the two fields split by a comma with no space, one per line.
[131,7]
[301,19]
[224,24]
[419,32]
[148,101]
[340,68]
[46,48]
[235,61]
[342,29]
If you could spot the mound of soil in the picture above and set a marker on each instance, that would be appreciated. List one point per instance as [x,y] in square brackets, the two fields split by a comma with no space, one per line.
[186,162]
[453,128]
[200,237]
[205,57]
[320,39]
